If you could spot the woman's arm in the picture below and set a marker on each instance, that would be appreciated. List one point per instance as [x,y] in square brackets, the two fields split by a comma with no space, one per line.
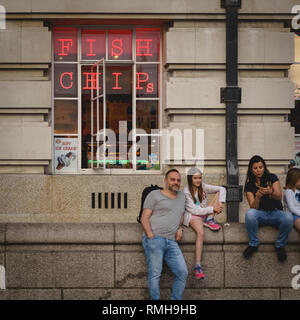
[274,191]
[253,201]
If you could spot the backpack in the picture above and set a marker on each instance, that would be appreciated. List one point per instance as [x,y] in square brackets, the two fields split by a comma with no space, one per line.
[145,192]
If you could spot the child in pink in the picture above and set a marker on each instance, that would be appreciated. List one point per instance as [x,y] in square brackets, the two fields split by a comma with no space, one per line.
[199,213]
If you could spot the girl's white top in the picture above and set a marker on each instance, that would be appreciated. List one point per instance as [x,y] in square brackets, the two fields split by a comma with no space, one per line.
[292,201]
[200,208]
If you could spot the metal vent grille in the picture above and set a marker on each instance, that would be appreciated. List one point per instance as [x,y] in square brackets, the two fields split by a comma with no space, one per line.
[112,200]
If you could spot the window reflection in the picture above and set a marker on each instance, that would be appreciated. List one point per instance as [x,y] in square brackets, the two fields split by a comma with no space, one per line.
[65,116]
[147,115]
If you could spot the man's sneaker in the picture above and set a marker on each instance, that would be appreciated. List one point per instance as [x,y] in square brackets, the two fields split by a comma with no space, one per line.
[199,272]
[212,225]
[281,254]
[249,251]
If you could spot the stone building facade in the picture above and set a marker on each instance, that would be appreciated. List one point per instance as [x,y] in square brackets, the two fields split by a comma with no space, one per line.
[185,80]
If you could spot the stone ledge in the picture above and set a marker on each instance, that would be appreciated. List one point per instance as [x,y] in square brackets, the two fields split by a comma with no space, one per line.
[237,233]
[30,294]
[59,233]
[123,233]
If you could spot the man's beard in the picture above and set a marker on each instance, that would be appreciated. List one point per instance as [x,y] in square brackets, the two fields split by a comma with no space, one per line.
[172,189]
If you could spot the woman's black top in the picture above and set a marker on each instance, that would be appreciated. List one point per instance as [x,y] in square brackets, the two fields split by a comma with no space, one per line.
[266,202]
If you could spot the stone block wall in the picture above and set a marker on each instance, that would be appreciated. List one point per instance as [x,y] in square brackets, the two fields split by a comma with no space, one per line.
[25,88]
[106,261]
[194,70]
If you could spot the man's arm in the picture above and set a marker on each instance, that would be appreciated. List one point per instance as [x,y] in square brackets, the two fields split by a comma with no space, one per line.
[179,233]
[145,221]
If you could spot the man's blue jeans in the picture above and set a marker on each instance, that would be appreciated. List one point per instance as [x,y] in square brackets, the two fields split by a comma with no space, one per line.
[157,250]
[277,218]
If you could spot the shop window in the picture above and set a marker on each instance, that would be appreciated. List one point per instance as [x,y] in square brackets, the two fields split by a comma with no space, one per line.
[147,115]
[106,84]
[294,116]
[93,44]
[147,45]
[65,117]
[119,44]
[65,44]
[65,80]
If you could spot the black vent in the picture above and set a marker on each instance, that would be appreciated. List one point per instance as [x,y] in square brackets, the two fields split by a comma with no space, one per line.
[110,200]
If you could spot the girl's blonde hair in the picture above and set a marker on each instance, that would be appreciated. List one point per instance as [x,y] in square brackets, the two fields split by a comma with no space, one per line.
[292,177]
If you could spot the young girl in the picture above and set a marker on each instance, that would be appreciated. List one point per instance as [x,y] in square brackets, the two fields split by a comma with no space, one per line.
[292,195]
[199,213]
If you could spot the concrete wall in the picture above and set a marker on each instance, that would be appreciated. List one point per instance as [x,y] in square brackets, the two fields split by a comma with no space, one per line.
[193,73]
[57,198]
[25,88]
[107,261]
[194,59]
[196,56]
[144,6]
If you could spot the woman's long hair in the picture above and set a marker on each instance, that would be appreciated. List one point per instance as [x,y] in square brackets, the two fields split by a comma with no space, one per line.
[250,175]
[190,174]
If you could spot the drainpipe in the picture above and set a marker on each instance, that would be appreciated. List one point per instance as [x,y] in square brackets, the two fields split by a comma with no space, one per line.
[231,96]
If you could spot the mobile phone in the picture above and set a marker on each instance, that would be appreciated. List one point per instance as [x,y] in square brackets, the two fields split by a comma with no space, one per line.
[264,184]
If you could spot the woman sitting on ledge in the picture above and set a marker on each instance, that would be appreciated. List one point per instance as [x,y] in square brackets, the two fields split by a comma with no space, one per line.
[264,195]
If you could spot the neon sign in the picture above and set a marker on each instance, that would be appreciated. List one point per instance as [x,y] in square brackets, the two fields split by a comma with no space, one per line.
[91,54]
[119,48]
[70,74]
[144,75]
[139,47]
[93,44]
[90,80]
[112,45]
[65,80]
[65,46]
[118,80]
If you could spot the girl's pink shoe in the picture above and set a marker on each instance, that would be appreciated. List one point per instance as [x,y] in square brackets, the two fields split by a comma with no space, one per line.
[212,225]
[199,272]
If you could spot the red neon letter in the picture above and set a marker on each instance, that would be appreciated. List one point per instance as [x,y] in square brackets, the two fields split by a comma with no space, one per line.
[150,87]
[65,45]
[113,46]
[117,81]
[139,80]
[70,74]
[91,78]
[91,54]
[147,47]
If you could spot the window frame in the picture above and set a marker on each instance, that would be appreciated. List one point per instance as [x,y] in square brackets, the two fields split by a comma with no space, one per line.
[81,63]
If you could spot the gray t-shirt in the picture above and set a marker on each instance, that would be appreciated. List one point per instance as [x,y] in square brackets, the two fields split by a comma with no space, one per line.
[166,213]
